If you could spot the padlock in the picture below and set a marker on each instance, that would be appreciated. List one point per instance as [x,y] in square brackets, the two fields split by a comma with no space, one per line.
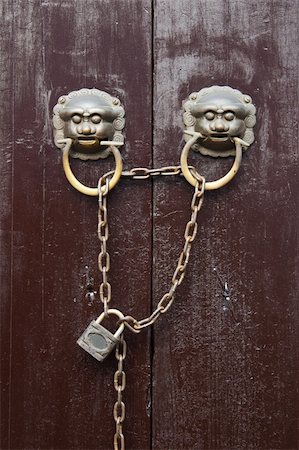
[97,340]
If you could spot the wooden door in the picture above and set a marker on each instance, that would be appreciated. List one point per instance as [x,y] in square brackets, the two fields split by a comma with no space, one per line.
[213,373]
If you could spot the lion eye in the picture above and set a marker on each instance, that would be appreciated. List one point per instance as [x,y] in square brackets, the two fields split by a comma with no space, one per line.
[76,118]
[209,115]
[96,118]
[229,115]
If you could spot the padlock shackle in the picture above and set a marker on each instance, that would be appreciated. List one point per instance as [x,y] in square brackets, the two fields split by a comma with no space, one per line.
[113,312]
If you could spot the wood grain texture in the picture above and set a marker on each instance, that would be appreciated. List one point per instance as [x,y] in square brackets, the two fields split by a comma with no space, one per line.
[6,118]
[55,396]
[226,377]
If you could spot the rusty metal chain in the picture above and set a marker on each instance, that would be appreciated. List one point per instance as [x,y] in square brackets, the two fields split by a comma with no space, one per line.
[103,229]
[103,235]
[190,232]
[180,270]
[119,410]
[143,173]
[166,301]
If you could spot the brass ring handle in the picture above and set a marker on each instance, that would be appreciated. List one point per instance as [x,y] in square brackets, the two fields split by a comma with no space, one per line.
[211,185]
[76,183]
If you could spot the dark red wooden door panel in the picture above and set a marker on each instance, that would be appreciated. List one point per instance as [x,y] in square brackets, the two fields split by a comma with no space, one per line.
[225,377]
[213,374]
[53,394]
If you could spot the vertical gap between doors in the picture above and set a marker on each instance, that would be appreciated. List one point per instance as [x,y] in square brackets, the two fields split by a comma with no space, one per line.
[152,332]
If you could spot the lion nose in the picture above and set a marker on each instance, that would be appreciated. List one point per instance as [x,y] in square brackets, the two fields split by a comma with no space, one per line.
[219,126]
[86,128]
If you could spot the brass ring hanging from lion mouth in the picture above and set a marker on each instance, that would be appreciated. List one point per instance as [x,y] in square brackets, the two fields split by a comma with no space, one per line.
[80,186]
[218,122]
[210,185]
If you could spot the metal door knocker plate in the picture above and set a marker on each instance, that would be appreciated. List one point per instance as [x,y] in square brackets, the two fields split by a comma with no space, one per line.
[219,113]
[88,117]
[88,124]
[218,122]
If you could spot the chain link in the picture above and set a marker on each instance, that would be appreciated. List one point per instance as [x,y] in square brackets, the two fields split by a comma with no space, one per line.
[119,410]
[142,173]
[103,235]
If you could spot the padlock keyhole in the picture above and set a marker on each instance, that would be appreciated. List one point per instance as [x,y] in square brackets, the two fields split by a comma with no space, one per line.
[97,341]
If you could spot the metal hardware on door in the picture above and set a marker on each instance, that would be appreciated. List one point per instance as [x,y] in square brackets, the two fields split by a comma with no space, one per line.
[218,122]
[97,340]
[88,125]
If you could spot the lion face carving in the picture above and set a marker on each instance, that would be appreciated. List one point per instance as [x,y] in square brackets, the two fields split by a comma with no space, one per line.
[88,116]
[219,113]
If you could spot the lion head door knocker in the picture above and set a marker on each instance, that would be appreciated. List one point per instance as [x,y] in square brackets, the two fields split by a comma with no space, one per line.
[88,124]
[218,122]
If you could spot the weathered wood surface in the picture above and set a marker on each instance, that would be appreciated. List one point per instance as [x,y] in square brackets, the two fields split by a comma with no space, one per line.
[227,378]
[54,396]
[213,375]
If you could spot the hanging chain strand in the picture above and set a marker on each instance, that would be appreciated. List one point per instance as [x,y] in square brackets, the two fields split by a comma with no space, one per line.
[103,229]
[190,232]
[180,270]
[103,234]
[119,410]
